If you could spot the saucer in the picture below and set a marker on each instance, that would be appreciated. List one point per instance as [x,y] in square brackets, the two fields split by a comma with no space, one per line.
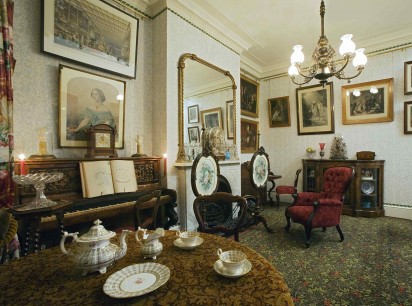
[179,243]
[219,268]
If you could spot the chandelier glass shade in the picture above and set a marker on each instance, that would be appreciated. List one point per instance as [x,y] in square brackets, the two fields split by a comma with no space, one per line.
[324,65]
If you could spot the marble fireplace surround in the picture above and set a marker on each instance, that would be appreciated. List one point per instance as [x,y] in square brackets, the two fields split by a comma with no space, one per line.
[228,169]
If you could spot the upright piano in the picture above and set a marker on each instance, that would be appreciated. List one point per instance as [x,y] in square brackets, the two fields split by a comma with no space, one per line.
[85,210]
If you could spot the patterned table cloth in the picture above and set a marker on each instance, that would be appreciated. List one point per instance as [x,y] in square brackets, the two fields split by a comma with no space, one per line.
[49,278]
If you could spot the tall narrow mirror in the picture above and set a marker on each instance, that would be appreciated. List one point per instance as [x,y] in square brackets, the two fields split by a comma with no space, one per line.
[207,99]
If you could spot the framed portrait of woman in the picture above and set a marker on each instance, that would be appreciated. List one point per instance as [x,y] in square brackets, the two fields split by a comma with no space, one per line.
[85,100]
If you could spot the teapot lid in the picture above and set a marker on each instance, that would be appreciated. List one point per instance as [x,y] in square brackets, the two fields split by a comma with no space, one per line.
[96,233]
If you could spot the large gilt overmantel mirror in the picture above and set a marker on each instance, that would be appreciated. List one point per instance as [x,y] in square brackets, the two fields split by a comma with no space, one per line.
[207,101]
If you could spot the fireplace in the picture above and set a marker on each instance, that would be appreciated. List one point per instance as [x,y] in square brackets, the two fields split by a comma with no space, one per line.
[229,181]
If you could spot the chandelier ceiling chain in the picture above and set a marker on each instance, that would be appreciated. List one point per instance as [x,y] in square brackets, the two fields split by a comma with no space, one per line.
[324,66]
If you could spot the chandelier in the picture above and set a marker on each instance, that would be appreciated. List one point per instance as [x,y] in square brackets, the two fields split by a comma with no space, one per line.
[324,66]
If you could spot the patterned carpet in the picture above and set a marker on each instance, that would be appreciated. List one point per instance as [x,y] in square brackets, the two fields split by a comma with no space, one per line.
[373,266]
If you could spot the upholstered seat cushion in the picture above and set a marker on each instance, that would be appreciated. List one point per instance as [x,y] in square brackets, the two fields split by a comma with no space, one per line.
[285,189]
[328,215]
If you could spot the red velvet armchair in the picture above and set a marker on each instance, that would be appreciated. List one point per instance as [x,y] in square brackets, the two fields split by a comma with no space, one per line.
[323,209]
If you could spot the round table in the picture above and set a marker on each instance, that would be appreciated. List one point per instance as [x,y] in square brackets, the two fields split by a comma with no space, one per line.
[48,278]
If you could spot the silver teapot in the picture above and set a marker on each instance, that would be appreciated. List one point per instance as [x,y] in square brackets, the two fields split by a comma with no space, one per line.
[95,252]
[151,246]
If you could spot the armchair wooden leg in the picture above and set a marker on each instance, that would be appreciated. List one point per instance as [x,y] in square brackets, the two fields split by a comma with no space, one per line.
[278,201]
[287,227]
[340,233]
[323,229]
[308,231]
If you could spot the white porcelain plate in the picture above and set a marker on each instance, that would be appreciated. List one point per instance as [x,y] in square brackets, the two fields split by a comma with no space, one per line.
[179,243]
[136,280]
[219,268]
[367,187]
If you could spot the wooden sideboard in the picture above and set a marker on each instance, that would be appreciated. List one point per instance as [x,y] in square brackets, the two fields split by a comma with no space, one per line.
[365,194]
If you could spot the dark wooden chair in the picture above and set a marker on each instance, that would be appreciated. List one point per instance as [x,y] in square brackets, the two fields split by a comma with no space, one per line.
[146,210]
[321,209]
[286,189]
[203,206]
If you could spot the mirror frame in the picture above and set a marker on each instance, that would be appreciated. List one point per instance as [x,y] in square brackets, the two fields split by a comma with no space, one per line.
[181,66]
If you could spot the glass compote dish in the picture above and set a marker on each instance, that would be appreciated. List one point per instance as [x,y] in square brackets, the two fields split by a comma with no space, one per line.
[39,181]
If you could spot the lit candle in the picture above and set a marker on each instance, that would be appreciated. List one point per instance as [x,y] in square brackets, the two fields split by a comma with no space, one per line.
[22,164]
[164,164]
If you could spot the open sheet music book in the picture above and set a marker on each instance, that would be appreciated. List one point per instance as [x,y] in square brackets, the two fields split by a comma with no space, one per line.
[107,177]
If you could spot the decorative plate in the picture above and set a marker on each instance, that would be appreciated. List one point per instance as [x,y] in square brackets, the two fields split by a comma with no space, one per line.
[219,268]
[206,175]
[179,243]
[136,280]
[260,170]
[367,187]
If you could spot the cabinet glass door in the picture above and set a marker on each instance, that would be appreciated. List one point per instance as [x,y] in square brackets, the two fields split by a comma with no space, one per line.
[369,188]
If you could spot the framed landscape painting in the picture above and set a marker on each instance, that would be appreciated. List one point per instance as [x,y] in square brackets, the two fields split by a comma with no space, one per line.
[249,135]
[315,109]
[279,112]
[212,118]
[368,102]
[87,99]
[249,97]
[82,31]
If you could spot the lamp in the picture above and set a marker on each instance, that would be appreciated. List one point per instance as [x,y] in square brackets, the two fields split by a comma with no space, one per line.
[324,66]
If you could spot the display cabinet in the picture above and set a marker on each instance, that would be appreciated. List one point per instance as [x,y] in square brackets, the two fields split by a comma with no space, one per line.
[365,194]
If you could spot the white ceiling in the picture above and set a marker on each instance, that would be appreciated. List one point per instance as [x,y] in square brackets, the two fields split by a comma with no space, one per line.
[266,30]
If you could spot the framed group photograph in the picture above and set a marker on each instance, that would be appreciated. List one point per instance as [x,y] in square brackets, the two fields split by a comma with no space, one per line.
[315,110]
[279,112]
[230,115]
[194,134]
[372,102]
[407,117]
[82,31]
[249,97]
[212,118]
[193,114]
[408,78]
[249,135]
[88,99]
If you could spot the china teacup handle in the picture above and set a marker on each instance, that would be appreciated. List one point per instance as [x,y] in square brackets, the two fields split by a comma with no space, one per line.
[177,233]
[219,251]
[137,234]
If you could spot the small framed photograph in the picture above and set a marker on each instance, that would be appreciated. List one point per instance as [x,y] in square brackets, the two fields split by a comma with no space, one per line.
[229,119]
[249,135]
[194,135]
[212,118]
[249,97]
[91,32]
[408,78]
[193,114]
[88,99]
[315,109]
[279,112]
[367,102]
[407,117]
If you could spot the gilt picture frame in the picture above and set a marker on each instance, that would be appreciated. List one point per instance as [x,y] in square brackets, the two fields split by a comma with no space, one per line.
[78,30]
[87,99]
[315,111]
[361,105]
[279,112]
[249,97]
[249,130]
[407,117]
[212,118]
[408,78]
[229,119]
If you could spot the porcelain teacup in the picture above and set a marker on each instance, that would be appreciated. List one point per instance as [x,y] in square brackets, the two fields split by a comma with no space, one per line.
[188,238]
[232,261]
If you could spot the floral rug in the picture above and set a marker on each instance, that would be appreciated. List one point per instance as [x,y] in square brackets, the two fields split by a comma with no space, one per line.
[373,266]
